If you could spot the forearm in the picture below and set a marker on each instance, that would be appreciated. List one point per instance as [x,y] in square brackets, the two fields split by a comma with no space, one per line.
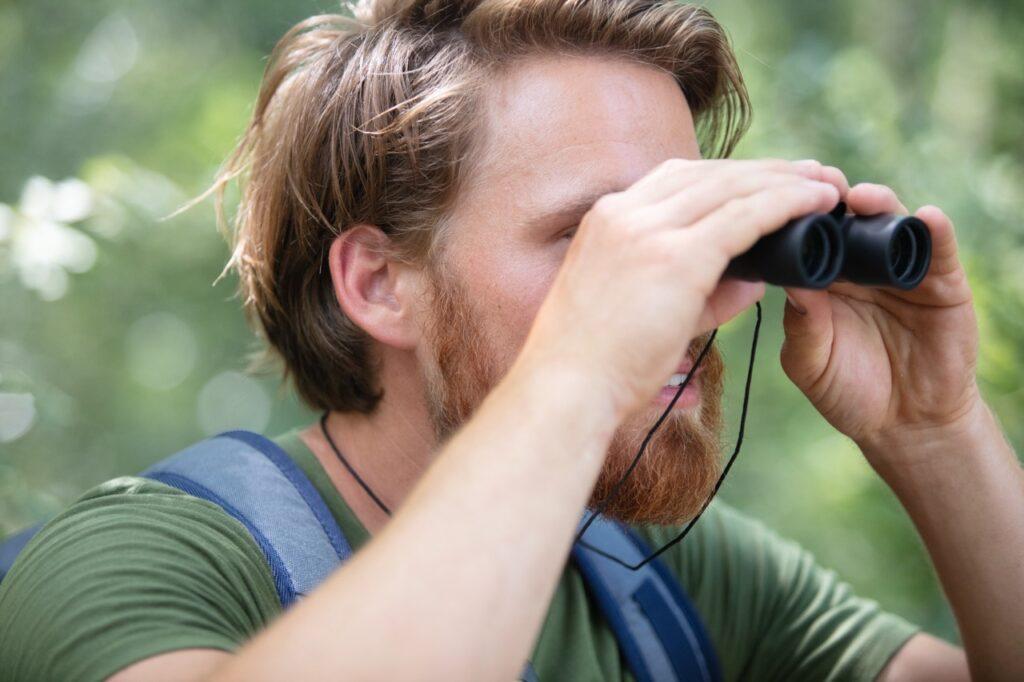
[964,490]
[457,584]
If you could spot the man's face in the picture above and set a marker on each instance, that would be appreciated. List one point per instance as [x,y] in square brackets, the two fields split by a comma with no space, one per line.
[559,133]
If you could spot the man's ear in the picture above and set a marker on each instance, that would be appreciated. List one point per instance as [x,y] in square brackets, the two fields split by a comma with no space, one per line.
[379,294]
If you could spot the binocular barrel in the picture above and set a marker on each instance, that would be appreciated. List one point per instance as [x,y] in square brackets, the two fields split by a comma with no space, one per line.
[815,250]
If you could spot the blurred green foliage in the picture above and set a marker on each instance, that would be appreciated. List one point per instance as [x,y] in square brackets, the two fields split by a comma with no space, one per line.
[115,348]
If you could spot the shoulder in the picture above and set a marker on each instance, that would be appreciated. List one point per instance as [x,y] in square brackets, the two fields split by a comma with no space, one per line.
[772,610]
[131,569]
[733,566]
[143,514]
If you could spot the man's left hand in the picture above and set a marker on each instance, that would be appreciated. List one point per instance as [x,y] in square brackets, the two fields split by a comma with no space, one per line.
[882,365]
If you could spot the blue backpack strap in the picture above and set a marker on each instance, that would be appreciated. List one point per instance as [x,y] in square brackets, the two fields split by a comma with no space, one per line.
[658,630]
[12,546]
[528,674]
[257,483]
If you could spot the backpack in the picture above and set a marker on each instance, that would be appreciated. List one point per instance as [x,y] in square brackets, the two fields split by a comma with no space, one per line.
[659,633]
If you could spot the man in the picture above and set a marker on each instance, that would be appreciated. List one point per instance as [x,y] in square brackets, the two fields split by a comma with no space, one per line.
[480,235]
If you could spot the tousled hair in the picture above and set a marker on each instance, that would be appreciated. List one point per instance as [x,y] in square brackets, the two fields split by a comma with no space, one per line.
[370,117]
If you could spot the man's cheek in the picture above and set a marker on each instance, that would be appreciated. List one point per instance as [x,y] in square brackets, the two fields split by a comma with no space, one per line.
[517,311]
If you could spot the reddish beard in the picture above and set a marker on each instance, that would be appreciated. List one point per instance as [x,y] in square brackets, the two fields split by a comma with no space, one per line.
[680,465]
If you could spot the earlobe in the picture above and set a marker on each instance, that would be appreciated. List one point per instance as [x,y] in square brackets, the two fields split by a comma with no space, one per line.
[369,286]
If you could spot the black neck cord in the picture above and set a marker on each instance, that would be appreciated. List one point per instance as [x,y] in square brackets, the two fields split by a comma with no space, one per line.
[355,475]
[732,458]
[636,459]
[647,439]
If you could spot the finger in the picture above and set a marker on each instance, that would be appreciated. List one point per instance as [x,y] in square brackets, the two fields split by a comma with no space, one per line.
[807,321]
[855,291]
[739,223]
[698,200]
[834,176]
[730,298]
[944,244]
[675,175]
[867,198]
[946,282]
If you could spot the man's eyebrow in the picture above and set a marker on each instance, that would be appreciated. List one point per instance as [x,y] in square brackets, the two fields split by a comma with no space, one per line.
[574,209]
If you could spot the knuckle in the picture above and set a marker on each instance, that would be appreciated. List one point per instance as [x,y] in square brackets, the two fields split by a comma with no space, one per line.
[833,171]
[616,220]
[675,165]
[812,169]
[607,205]
[729,174]
[806,198]
[628,226]
[787,166]
[720,184]
[671,168]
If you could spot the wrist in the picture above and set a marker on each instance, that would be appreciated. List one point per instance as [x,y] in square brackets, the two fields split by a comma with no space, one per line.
[577,377]
[913,452]
[561,390]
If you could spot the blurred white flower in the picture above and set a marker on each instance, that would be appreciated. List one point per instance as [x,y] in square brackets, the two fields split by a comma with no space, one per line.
[110,52]
[6,222]
[17,413]
[67,201]
[43,246]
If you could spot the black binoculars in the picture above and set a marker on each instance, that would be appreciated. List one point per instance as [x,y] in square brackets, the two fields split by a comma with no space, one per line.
[811,252]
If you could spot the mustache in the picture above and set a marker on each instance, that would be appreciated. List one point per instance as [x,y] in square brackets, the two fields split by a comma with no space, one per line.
[697,344]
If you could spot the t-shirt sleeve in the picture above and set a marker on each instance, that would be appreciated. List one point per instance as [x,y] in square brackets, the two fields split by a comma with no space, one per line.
[131,570]
[773,612]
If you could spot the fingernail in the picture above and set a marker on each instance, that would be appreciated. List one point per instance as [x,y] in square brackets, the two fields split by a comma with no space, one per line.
[796,306]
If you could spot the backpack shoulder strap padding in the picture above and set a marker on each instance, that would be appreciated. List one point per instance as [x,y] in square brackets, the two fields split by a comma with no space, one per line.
[257,483]
[11,547]
[658,630]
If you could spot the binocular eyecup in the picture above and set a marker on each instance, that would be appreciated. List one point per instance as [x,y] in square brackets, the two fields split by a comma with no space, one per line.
[812,251]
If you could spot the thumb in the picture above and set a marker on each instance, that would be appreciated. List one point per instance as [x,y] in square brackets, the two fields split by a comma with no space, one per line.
[729,299]
[807,321]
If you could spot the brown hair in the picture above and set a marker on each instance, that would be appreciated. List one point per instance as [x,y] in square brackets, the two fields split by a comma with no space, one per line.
[368,119]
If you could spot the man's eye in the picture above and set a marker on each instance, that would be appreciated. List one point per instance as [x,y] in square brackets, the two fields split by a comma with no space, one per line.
[570,233]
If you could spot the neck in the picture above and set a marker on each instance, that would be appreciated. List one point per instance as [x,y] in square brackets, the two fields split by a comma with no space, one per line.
[389,448]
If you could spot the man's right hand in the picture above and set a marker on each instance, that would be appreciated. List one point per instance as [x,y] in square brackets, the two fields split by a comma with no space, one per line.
[643,275]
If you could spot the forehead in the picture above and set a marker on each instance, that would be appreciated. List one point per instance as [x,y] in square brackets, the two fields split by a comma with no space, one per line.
[557,128]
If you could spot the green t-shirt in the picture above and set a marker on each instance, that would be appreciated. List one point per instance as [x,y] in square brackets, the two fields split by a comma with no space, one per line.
[135,568]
